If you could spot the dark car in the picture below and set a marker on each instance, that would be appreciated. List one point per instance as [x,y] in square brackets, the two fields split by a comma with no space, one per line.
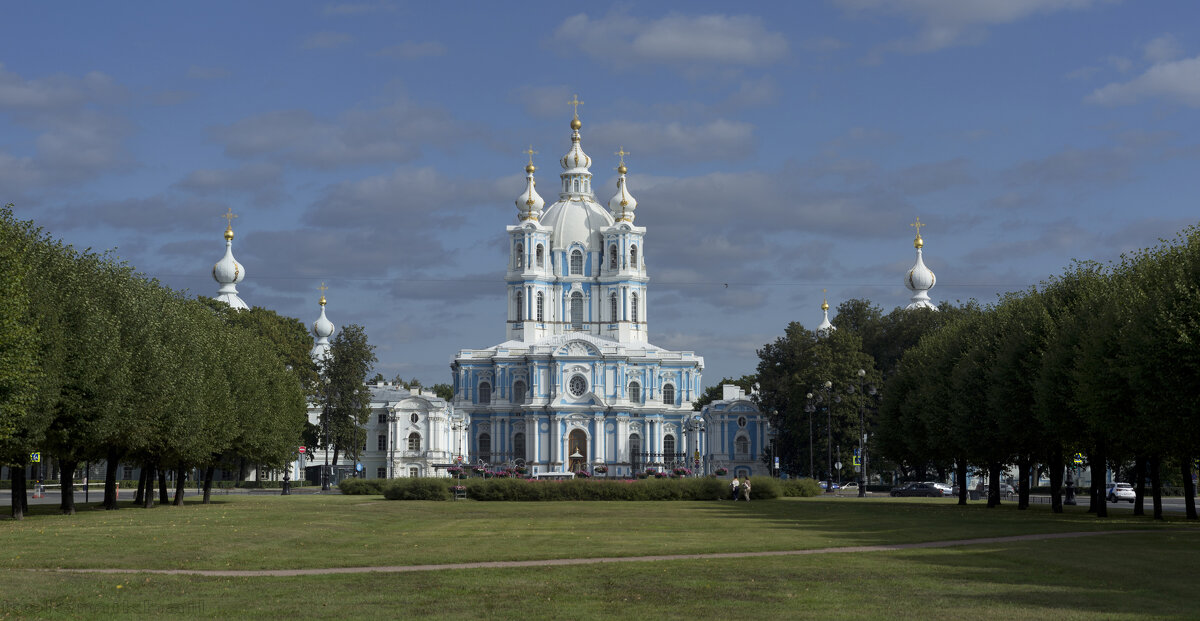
[925,489]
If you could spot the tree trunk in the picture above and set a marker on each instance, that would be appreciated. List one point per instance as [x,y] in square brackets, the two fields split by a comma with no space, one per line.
[1056,479]
[140,497]
[163,497]
[1098,482]
[208,477]
[960,473]
[18,491]
[1023,466]
[1189,486]
[336,450]
[993,485]
[67,478]
[110,479]
[1139,488]
[180,479]
[1156,485]
[148,502]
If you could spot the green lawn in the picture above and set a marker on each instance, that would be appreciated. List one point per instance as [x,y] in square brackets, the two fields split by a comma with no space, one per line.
[1149,575]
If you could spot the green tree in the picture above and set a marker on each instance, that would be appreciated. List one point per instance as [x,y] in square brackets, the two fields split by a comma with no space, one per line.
[345,397]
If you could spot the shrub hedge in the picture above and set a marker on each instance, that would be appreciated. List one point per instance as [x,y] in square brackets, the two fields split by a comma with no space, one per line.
[802,488]
[507,489]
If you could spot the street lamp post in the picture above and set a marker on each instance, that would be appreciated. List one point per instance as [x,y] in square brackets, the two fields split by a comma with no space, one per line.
[862,462]
[828,437]
[812,410]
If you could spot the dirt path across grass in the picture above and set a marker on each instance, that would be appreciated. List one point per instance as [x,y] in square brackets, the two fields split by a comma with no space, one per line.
[598,560]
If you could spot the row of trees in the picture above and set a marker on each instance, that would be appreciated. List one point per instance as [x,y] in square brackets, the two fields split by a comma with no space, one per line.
[1101,361]
[100,363]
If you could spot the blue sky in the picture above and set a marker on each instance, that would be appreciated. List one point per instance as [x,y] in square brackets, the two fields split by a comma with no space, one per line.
[779,149]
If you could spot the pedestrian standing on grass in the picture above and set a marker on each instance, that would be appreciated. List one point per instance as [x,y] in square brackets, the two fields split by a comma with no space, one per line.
[746,489]
[733,488]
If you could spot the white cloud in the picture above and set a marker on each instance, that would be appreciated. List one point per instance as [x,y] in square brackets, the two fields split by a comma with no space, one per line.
[1177,81]
[392,133]
[262,181]
[716,140]
[1162,49]
[947,23]
[409,50]
[326,40]
[728,40]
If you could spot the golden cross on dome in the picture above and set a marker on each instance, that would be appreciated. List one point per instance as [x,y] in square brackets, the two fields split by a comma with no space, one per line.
[531,153]
[918,224]
[229,216]
[621,153]
[323,289]
[575,103]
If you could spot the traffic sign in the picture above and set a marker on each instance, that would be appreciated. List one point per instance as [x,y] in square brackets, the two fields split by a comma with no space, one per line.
[302,450]
[1078,459]
[35,458]
[838,465]
[856,463]
[359,466]
[777,462]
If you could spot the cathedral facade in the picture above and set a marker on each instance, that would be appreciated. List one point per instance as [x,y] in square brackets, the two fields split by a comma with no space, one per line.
[577,385]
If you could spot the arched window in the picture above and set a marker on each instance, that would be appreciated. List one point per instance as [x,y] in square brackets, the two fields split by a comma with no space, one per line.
[414,441]
[577,311]
[612,307]
[485,447]
[518,392]
[519,445]
[633,308]
[668,445]
[741,445]
[576,262]
[520,306]
[635,449]
[485,393]
[541,306]
[519,259]
[612,257]
[541,255]
[635,392]
[633,257]
[576,185]
[669,394]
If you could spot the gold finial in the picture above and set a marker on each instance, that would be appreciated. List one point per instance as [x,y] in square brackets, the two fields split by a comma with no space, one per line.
[918,242]
[530,167]
[621,153]
[575,103]
[229,216]
[323,288]
[824,301]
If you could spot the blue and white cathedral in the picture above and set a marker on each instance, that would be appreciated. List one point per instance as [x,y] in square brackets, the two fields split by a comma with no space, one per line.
[577,383]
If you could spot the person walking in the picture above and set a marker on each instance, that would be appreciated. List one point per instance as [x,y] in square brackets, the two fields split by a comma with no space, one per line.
[746,489]
[733,488]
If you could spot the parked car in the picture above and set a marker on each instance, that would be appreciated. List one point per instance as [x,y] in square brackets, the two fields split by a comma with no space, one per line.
[1005,489]
[822,484]
[1121,491]
[848,489]
[925,489]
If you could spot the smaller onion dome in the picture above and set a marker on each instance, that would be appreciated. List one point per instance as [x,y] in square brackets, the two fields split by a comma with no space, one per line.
[529,203]
[228,272]
[824,328]
[920,279]
[622,204]
[322,329]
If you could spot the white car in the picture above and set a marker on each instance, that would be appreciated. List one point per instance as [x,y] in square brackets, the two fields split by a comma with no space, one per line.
[1120,492]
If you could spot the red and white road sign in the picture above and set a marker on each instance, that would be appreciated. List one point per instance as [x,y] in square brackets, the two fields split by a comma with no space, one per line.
[302,450]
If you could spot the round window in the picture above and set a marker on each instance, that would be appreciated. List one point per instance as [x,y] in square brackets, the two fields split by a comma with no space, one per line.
[741,421]
[414,417]
[578,385]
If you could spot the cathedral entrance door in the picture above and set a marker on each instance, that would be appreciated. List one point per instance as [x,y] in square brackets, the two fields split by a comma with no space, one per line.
[577,450]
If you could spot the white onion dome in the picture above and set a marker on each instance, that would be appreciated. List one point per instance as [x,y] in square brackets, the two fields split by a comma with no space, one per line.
[322,329]
[824,328]
[622,204]
[576,218]
[228,273]
[529,203]
[920,279]
[576,161]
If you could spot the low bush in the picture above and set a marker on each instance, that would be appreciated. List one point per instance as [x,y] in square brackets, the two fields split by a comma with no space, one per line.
[417,489]
[362,486]
[796,487]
